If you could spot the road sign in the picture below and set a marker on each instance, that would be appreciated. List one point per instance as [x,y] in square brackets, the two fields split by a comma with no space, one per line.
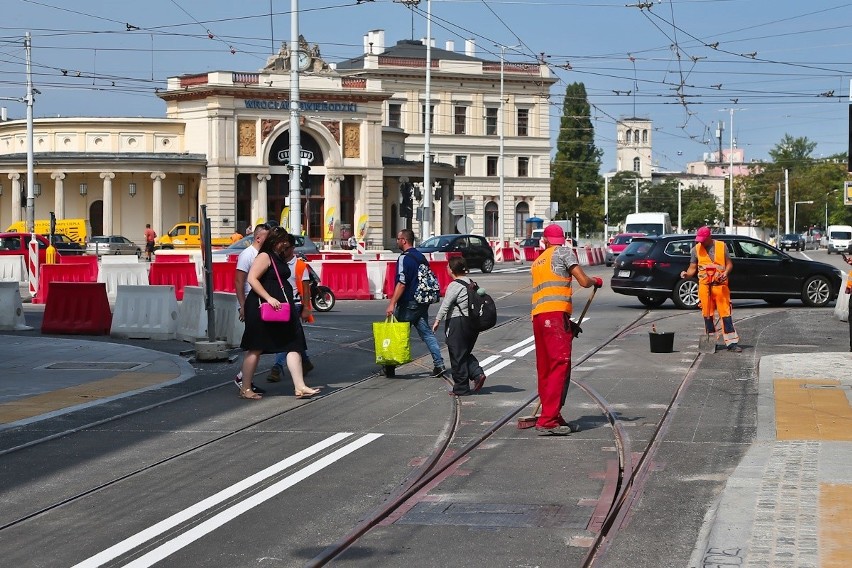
[462,207]
[847,192]
[465,225]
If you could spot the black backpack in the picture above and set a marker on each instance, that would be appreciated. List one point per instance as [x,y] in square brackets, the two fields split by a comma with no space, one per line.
[482,311]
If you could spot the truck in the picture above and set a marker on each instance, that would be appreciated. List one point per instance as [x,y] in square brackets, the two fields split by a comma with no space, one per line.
[566,230]
[187,236]
[839,238]
[78,230]
[653,223]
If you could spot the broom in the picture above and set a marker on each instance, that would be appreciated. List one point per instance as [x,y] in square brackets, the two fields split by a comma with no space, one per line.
[525,422]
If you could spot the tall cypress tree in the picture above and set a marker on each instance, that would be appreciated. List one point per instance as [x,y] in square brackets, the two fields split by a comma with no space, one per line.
[577,162]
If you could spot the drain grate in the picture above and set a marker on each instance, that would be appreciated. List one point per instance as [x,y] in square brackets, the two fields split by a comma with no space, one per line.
[93,366]
[512,515]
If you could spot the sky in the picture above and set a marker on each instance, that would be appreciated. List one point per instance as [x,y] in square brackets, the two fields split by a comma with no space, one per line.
[784,67]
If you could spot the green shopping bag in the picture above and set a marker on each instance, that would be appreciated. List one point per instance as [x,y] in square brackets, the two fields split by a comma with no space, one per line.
[392,341]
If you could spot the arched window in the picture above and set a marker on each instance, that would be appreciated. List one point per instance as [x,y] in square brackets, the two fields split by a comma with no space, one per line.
[645,136]
[492,214]
[522,213]
[627,136]
[636,165]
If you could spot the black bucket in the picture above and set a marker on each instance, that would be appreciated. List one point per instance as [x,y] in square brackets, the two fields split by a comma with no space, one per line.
[662,342]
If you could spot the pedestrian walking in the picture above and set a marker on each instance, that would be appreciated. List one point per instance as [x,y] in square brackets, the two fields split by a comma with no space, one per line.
[461,337]
[552,275]
[300,283]
[150,237]
[710,259]
[268,280]
[405,307]
[848,260]
[242,287]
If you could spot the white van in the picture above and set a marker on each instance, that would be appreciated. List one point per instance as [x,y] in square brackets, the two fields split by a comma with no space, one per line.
[838,238]
[648,223]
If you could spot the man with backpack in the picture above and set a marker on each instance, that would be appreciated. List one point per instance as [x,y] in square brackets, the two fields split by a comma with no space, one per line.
[415,289]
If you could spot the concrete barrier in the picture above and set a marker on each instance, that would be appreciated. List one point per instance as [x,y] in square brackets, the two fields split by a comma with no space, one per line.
[11,307]
[229,328]
[192,315]
[119,259]
[145,312]
[115,274]
[13,269]
[376,273]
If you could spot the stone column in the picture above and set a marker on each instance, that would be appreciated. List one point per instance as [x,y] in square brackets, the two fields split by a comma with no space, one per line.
[59,194]
[262,197]
[332,200]
[16,196]
[157,221]
[445,208]
[108,212]
[254,202]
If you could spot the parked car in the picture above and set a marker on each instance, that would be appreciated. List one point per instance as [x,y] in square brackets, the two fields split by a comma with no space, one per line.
[304,245]
[112,244]
[534,242]
[474,248]
[617,245]
[649,268]
[791,241]
[17,244]
[65,246]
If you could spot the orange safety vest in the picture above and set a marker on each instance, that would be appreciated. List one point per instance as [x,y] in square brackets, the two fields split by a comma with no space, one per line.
[551,292]
[301,265]
[707,267]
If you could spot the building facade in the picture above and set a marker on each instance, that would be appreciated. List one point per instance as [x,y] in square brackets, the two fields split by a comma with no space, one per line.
[224,143]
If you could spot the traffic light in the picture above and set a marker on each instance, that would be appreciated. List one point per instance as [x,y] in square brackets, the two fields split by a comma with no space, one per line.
[406,203]
[305,181]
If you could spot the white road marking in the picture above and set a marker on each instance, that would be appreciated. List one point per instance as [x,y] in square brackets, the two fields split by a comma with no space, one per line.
[238,509]
[526,350]
[132,542]
[498,366]
[488,360]
[518,345]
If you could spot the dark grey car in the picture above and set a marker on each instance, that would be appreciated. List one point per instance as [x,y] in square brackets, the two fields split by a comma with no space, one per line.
[473,248]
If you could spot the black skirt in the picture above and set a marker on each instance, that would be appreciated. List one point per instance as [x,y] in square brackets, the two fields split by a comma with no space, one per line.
[273,337]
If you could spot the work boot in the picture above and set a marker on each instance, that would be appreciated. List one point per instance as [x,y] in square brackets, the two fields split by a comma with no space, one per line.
[561,430]
[274,374]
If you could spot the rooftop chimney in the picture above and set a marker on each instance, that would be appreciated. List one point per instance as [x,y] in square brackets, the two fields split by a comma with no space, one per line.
[451,45]
[470,47]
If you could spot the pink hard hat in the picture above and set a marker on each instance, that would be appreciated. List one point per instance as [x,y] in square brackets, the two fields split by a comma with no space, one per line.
[554,235]
[702,234]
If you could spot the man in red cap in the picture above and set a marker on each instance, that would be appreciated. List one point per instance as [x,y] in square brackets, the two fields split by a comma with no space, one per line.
[552,274]
[711,260]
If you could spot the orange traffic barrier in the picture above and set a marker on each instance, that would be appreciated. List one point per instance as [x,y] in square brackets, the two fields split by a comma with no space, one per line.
[89,260]
[313,256]
[48,273]
[336,256]
[223,276]
[439,267]
[77,308]
[531,253]
[177,274]
[233,257]
[171,258]
[390,279]
[348,280]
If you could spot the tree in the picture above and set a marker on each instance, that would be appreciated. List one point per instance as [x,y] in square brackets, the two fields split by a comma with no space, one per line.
[792,152]
[576,167]
[699,207]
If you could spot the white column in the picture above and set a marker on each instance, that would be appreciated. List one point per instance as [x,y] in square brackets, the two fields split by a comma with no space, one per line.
[16,196]
[263,197]
[332,200]
[254,214]
[58,194]
[157,221]
[108,212]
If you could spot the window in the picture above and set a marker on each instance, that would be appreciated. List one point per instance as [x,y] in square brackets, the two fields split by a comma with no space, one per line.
[645,136]
[431,118]
[491,219]
[460,120]
[523,167]
[395,115]
[461,165]
[491,165]
[491,121]
[636,165]
[523,121]
[522,213]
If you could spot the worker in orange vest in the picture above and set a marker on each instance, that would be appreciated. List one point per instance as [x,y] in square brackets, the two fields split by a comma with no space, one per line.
[710,259]
[552,274]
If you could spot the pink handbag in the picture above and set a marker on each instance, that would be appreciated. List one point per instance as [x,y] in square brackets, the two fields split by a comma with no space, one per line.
[270,314]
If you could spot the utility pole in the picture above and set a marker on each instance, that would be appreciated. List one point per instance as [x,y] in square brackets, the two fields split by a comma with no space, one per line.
[295,133]
[501,131]
[426,219]
[636,182]
[30,160]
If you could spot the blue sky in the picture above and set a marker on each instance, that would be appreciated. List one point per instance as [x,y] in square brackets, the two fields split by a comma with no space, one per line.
[783,66]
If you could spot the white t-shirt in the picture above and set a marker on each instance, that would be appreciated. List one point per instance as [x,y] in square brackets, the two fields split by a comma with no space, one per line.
[244,262]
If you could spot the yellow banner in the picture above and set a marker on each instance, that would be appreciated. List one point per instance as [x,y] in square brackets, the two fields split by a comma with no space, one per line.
[329,224]
[363,227]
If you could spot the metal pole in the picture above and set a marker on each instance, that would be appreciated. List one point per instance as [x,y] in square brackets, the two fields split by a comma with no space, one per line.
[295,134]
[30,160]
[679,208]
[731,179]
[786,201]
[426,219]
[577,216]
[636,181]
[606,210]
[502,160]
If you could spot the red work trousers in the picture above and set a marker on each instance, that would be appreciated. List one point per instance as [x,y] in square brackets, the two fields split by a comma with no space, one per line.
[553,337]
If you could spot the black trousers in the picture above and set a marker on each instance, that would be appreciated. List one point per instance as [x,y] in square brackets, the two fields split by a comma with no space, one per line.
[849,319]
[460,342]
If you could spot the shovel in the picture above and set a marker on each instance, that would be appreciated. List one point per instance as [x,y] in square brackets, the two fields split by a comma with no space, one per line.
[525,422]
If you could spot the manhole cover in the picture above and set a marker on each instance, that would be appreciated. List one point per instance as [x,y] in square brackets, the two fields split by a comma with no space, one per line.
[93,366]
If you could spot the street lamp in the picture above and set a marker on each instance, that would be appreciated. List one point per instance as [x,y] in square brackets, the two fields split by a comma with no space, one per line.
[795,205]
[679,208]
[827,194]
[502,158]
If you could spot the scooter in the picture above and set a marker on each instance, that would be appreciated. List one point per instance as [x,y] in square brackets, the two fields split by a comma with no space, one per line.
[322,298]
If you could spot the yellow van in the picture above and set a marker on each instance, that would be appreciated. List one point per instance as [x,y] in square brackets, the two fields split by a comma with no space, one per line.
[78,230]
[187,236]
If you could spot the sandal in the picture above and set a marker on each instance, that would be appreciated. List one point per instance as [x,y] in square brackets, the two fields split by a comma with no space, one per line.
[307,393]
[249,395]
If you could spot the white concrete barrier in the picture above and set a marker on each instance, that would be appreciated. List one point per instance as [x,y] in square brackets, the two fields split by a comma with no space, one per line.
[192,316]
[13,269]
[229,328]
[582,256]
[119,259]
[389,255]
[145,312]
[376,275]
[438,256]
[122,274]
[11,307]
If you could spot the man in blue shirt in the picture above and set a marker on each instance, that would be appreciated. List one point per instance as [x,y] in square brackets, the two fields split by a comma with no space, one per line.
[403,305]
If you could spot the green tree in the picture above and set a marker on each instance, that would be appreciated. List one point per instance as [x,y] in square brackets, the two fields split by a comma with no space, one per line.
[576,166]
[699,208]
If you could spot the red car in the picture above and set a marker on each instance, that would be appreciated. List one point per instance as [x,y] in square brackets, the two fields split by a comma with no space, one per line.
[18,243]
[618,243]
